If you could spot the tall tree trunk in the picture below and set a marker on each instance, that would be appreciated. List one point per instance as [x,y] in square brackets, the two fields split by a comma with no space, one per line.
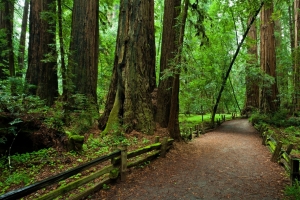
[269,100]
[42,57]
[297,56]
[135,53]
[84,49]
[252,89]
[6,35]
[168,54]
[22,44]
[173,125]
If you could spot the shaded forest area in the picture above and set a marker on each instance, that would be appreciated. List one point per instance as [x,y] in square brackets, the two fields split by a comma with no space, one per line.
[86,75]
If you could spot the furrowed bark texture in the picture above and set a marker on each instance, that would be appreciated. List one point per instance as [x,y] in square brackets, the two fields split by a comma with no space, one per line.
[84,49]
[6,37]
[173,125]
[137,71]
[134,68]
[42,66]
[168,54]
[252,89]
[297,56]
[269,101]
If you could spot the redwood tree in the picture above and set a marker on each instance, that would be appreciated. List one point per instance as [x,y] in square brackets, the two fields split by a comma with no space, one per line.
[269,100]
[168,54]
[134,68]
[84,49]
[6,38]
[252,88]
[42,58]
[297,56]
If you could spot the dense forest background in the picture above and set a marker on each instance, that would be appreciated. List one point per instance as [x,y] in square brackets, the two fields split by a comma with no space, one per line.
[137,65]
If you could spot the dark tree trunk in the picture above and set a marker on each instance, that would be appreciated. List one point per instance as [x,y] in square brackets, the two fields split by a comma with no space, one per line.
[134,67]
[22,44]
[84,49]
[252,88]
[6,34]
[297,56]
[269,100]
[110,99]
[168,54]
[173,125]
[42,57]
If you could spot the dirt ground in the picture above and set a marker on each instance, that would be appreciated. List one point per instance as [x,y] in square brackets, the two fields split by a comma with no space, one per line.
[228,163]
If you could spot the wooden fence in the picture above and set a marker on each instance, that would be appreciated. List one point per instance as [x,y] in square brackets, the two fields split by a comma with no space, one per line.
[119,164]
[281,155]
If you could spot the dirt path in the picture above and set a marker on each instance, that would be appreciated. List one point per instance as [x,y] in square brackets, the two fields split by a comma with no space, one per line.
[229,163]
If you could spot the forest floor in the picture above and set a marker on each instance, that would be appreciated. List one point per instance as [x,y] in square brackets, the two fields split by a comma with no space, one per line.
[228,163]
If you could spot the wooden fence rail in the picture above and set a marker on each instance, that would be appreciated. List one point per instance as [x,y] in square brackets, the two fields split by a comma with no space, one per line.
[289,162]
[119,164]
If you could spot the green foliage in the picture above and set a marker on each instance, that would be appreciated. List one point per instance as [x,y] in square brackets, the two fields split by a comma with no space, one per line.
[293,191]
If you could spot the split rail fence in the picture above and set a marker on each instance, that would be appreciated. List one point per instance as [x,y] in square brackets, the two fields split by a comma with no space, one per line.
[120,159]
[281,155]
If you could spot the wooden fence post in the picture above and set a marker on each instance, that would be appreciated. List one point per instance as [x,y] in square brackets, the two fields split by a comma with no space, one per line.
[277,151]
[123,162]
[163,150]
[198,131]
[294,169]
[289,149]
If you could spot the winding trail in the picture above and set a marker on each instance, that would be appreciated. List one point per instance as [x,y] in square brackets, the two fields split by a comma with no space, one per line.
[228,163]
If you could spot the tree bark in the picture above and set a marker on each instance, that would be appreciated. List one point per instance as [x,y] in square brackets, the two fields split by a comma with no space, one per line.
[269,100]
[6,35]
[42,57]
[168,53]
[21,55]
[84,49]
[297,56]
[252,88]
[135,56]
[173,125]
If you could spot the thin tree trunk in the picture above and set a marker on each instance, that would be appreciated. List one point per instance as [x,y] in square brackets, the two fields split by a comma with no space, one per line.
[231,64]
[173,125]
[22,44]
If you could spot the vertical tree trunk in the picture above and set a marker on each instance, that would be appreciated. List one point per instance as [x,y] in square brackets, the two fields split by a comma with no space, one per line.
[297,56]
[269,100]
[173,125]
[135,56]
[6,36]
[42,57]
[22,44]
[168,54]
[252,89]
[84,49]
